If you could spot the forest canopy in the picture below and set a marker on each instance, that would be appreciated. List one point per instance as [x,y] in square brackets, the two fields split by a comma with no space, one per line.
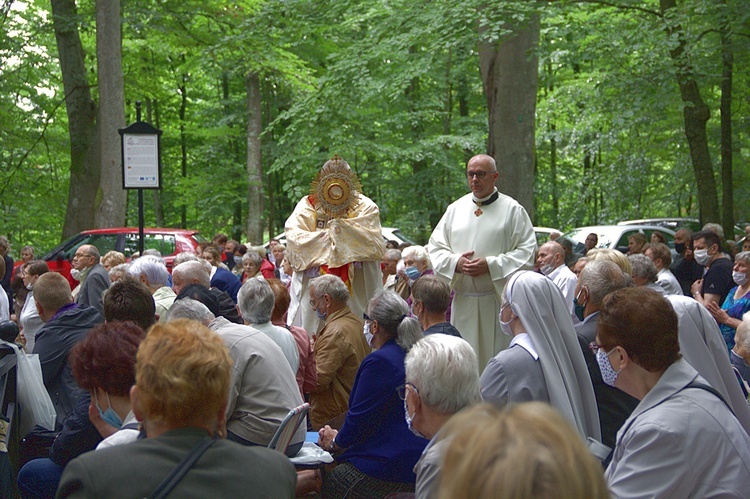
[641,109]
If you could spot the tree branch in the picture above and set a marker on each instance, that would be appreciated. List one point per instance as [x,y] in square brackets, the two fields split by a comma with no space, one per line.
[620,6]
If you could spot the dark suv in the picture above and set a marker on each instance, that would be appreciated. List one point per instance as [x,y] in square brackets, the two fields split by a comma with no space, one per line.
[125,240]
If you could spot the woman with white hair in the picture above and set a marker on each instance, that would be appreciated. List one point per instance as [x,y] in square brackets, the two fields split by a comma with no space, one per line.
[416,262]
[441,379]
[377,450]
[151,271]
[544,361]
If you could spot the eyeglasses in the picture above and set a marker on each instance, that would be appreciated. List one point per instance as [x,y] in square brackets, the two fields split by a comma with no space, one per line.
[81,255]
[479,175]
[401,390]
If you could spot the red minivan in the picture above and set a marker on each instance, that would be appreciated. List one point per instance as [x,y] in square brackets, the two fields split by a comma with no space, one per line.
[169,242]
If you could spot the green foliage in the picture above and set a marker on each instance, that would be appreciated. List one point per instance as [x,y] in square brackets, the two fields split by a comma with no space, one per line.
[393,86]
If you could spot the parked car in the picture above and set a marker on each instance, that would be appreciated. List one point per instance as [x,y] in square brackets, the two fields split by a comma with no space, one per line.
[616,236]
[670,223]
[542,234]
[169,242]
[389,234]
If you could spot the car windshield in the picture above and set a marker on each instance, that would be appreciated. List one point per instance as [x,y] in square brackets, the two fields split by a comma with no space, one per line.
[606,237]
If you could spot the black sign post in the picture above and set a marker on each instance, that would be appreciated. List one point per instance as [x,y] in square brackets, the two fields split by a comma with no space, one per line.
[141,162]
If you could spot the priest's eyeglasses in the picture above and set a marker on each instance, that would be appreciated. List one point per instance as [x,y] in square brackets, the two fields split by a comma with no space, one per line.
[479,174]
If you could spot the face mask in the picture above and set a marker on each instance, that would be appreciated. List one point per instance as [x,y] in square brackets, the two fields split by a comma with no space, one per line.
[578,306]
[30,286]
[322,316]
[368,334]
[505,326]
[609,375]
[411,272]
[408,419]
[75,274]
[701,256]
[740,278]
[109,416]
[546,269]
[680,247]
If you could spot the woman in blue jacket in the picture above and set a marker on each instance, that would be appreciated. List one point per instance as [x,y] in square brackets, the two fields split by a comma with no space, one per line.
[377,450]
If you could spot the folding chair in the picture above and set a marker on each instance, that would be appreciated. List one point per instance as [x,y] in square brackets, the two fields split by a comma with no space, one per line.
[288,427]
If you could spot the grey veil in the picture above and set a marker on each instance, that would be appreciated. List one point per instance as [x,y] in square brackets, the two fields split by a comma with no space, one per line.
[539,304]
[703,347]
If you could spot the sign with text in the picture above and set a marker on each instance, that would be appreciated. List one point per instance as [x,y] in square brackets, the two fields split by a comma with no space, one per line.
[141,161]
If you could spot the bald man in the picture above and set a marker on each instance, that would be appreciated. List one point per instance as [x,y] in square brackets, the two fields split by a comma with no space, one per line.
[481,240]
[551,263]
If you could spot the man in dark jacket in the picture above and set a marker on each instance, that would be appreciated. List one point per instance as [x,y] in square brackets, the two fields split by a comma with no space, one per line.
[94,277]
[65,324]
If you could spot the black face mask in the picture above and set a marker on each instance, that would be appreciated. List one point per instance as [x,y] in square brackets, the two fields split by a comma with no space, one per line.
[680,247]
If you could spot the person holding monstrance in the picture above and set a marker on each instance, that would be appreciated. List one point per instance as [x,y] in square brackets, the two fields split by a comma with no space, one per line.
[334,230]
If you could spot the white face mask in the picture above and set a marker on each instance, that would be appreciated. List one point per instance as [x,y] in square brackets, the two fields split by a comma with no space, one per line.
[740,278]
[546,269]
[701,256]
[505,326]
[368,334]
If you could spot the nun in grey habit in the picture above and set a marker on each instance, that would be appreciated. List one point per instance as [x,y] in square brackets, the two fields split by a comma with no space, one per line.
[544,361]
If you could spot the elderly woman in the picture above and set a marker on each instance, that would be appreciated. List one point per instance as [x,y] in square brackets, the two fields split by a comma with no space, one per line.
[183,375]
[119,272]
[645,273]
[614,256]
[682,440]
[377,450]
[416,262]
[29,319]
[526,451]
[153,273]
[441,379]
[737,302]
[112,259]
[251,262]
[544,361]
[660,254]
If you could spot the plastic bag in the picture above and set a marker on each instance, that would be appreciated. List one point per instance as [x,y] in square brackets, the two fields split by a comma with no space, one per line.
[35,404]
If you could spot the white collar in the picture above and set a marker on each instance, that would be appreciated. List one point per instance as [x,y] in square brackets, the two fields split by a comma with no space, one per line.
[481,200]
[523,340]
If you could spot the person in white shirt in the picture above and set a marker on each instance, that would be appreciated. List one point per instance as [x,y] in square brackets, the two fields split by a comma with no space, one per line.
[551,263]
[660,254]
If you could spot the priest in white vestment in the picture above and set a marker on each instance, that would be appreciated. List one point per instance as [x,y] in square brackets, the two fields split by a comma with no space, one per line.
[481,240]
[334,230]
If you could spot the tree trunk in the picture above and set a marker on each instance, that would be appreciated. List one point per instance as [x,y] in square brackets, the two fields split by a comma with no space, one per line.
[695,115]
[510,77]
[727,199]
[254,165]
[111,204]
[82,130]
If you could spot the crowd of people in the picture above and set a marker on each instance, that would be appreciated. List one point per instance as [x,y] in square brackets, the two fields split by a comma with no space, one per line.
[476,366]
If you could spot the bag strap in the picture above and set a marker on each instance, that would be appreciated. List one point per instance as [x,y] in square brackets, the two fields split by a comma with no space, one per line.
[171,481]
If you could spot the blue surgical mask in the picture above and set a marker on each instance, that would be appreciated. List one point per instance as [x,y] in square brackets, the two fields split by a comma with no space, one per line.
[109,416]
[412,272]
[609,375]
[322,316]
[409,423]
[578,306]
